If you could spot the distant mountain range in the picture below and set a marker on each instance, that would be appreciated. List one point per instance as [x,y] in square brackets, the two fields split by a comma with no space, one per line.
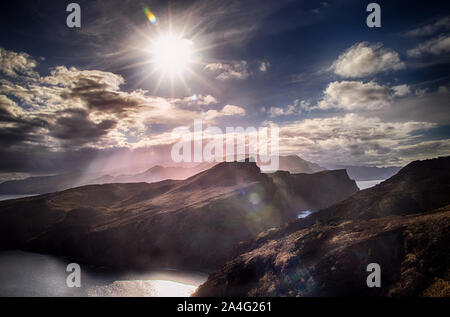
[402,224]
[295,164]
[155,174]
[49,184]
[367,173]
[194,223]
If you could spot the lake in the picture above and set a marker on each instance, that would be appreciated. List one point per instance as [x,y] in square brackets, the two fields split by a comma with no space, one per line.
[31,274]
[6,197]
[367,184]
[303,214]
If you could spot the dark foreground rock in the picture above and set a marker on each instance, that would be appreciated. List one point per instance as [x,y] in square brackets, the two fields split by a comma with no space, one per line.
[403,224]
[193,223]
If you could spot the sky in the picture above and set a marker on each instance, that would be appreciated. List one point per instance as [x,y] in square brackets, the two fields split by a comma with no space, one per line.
[107,95]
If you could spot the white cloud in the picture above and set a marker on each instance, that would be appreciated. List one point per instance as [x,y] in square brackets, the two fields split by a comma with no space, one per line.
[206,100]
[436,46]
[228,110]
[352,138]
[197,100]
[298,106]
[419,105]
[355,95]
[278,111]
[9,106]
[264,66]
[231,110]
[226,71]
[14,64]
[401,90]
[429,29]
[363,59]
[76,108]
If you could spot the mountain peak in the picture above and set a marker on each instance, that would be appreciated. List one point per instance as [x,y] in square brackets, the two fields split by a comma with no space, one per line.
[229,174]
[418,187]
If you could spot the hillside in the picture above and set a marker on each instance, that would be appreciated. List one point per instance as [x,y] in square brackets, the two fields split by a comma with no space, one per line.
[403,224]
[193,223]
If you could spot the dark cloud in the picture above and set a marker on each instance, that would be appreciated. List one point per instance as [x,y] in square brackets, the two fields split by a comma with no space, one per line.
[40,159]
[74,127]
[17,131]
[97,96]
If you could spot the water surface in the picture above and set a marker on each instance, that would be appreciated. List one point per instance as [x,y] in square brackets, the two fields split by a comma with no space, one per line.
[7,197]
[303,214]
[31,274]
[367,184]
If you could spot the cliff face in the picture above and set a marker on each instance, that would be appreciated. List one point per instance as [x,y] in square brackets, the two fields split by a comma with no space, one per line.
[403,224]
[313,191]
[193,223]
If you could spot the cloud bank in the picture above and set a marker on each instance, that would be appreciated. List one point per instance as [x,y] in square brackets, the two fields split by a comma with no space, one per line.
[363,59]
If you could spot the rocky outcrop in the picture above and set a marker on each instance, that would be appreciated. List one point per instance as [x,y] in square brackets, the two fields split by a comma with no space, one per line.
[313,191]
[295,165]
[193,223]
[403,224]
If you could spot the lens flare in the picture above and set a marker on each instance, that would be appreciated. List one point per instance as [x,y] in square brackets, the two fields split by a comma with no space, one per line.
[150,16]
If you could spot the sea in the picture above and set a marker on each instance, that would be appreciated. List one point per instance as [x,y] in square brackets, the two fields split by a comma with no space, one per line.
[31,274]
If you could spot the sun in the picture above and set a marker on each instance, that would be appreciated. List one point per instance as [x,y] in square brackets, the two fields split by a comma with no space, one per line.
[172,55]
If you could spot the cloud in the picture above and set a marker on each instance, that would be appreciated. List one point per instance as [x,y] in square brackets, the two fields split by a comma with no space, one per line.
[205,100]
[231,110]
[401,90]
[227,71]
[197,100]
[75,126]
[298,106]
[435,46]
[278,111]
[264,66]
[421,105]
[355,95]
[442,24]
[14,64]
[353,139]
[75,108]
[362,60]
[228,110]
[322,5]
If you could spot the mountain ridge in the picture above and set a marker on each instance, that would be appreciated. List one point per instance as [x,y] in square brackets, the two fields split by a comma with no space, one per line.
[53,183]
[193,223]
[403,224]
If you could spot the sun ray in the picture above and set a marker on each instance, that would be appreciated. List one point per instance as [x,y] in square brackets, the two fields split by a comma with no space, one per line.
[173,53]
